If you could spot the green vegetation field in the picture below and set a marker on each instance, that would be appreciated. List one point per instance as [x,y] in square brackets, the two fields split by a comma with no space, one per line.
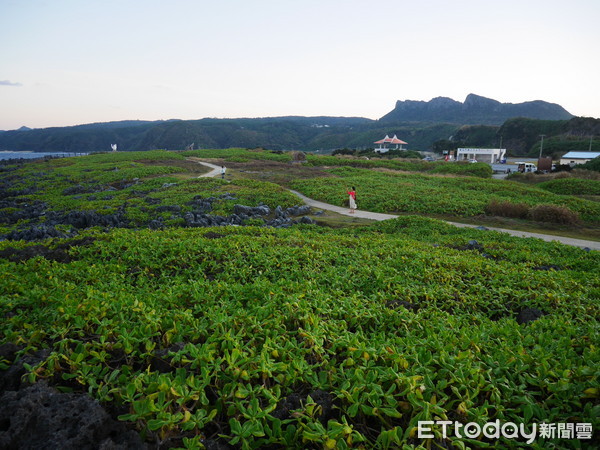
[390,192]
[572,186]
[305,337]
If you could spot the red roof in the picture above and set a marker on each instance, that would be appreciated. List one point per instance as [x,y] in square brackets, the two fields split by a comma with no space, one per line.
[389,140]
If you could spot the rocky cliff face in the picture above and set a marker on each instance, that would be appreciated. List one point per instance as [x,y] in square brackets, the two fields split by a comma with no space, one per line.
[474,110]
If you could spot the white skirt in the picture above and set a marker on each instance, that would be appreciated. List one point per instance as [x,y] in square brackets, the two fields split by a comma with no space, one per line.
[352,202]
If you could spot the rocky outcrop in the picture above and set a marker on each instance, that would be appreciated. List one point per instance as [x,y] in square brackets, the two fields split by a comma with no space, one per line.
[41,417]
[474,110]
[39,223]
[38,416]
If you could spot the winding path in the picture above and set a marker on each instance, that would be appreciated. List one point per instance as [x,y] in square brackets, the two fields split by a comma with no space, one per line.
[216,170]
[592,245]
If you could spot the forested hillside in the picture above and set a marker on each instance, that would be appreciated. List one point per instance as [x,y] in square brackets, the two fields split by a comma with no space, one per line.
[521,136]
[281,133]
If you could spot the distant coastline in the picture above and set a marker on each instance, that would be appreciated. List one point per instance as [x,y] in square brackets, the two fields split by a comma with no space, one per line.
[4,154]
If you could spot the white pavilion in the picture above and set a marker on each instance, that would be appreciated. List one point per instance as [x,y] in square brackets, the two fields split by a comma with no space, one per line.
[385,144]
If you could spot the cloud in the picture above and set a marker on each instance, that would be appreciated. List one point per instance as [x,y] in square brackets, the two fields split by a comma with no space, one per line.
[9,83]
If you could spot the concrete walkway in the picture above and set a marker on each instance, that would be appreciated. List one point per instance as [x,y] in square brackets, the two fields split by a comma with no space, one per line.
[343,210]
[216,170]
[592,245]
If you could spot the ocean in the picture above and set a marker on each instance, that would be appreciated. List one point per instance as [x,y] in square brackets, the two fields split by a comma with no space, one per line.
[32,155]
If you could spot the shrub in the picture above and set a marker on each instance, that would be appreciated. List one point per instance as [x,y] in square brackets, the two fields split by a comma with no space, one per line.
[507,209]
[554,214]
[594,164]
[586,174]
[560,175]
[529,177]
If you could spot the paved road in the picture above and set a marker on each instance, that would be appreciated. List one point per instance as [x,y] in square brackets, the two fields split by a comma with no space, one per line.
[593,245]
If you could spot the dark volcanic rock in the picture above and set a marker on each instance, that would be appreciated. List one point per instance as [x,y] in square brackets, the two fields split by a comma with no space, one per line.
[206,220]
[169,208]
[40,417]
[529,315]
[202,205]
[295,401]
[21,211]
[474,245]
[10,379]
[156,224]
[59,253]
[36,233]
[548,267]
[397,303]
[251,211]
[86,219]
[298,210]
[160,360]
[306,220]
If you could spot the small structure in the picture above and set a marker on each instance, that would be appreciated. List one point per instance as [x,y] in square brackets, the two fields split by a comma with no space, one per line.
[298,157]
[544,164]
[574,158]
[487,155]
[525,167]
[386,143]
[448,155]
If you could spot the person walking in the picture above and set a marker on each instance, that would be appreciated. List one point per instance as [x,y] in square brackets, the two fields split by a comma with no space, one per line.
[352,199]
[223,172]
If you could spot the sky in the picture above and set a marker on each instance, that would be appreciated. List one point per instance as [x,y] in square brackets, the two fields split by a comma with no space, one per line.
[70,62]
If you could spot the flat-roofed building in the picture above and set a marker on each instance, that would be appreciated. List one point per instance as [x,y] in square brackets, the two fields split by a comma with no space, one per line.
[487,155]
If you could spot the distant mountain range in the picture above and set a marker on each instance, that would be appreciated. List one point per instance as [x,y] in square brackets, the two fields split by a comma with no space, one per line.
[421,124]
[475,110]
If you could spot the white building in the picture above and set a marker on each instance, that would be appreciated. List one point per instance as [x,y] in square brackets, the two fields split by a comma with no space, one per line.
[487,155]
[573,158]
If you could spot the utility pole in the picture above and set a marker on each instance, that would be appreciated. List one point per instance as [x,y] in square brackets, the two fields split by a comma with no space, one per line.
[591,137]
[542,144]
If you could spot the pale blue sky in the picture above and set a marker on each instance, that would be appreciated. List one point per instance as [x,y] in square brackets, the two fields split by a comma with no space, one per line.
[68,62]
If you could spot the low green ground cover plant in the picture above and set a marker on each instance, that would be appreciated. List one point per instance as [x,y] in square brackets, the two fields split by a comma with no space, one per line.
[413,165]
[209,333]
[241,154]
[306,337]
[572,186]
[141,186]
[439,167]
[391,192]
